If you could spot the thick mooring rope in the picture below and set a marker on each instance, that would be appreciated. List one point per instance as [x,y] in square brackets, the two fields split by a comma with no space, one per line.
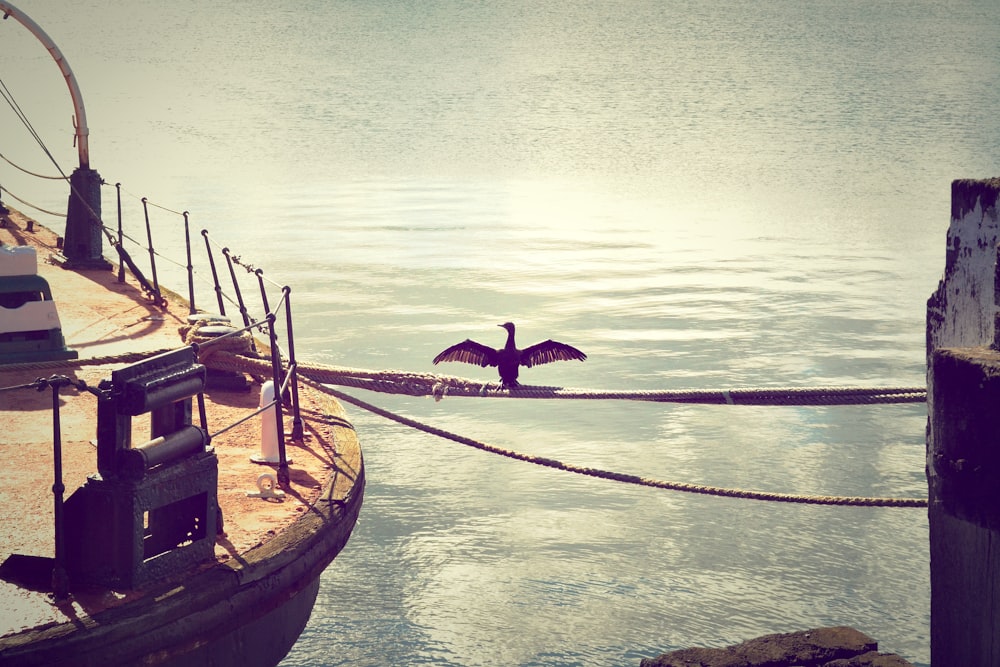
[423,385]
[745,494]
[440,386]
[125,358]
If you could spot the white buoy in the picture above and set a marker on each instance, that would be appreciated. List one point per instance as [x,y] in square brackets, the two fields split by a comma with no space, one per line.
[268,428]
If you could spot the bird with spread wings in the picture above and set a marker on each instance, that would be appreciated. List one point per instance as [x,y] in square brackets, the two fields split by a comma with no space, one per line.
[509,359]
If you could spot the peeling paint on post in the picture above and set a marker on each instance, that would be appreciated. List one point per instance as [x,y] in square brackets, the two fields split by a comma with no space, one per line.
[960,313]
[963,435]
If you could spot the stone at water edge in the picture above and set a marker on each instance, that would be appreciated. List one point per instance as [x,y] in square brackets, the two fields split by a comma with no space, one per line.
[839,646]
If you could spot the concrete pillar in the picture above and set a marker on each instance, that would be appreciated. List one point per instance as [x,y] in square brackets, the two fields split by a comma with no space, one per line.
[964,481]
[83,241]
[963,435]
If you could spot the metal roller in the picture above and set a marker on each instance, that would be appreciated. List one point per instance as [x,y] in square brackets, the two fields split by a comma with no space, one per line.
[135,462]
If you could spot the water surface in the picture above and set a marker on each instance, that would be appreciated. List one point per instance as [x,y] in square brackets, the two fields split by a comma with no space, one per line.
[697,195]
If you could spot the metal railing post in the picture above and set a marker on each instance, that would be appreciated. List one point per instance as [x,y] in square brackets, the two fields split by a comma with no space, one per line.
[278,413]
[215,276]
[152,252]
[190,266]
[297,426]
[121,235]
[60,580]
[236,288]
[276,373]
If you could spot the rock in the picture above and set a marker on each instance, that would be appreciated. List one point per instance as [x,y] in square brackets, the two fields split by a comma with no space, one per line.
[871,659]
[839,646]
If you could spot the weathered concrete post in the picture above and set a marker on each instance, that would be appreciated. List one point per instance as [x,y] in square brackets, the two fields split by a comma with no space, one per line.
[963,435]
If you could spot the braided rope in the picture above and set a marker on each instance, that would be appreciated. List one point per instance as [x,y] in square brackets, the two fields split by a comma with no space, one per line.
[124,358]
[855,501]
[235,344]
[438,386]
[417,384]
[224,360]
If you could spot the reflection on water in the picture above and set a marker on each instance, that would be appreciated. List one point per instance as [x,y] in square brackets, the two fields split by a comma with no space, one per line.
[698,195]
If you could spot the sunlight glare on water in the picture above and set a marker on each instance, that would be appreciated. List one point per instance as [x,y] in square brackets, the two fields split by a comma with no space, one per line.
[697,195]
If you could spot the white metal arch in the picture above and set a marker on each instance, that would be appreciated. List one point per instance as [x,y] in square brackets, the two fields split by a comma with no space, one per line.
[80,115]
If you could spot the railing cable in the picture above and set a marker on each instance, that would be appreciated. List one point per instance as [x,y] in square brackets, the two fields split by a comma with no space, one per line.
[30,173]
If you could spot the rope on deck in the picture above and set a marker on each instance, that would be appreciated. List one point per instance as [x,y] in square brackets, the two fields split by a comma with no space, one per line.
[124,358]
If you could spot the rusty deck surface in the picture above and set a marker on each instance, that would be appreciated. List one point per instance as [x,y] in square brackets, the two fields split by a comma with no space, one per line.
[102,318]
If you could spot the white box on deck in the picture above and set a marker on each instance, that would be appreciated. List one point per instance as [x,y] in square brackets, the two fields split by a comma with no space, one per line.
[20,260]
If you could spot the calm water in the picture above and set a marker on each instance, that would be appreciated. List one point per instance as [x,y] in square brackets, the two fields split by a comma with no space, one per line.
[698,195]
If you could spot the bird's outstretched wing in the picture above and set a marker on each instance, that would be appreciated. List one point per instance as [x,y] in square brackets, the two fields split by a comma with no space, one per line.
[470,352]
[549,351]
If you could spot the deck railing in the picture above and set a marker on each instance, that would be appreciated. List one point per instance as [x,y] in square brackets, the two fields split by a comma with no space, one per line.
[283,369]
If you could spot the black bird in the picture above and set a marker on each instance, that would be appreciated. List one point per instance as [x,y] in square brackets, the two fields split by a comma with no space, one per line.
[508,358]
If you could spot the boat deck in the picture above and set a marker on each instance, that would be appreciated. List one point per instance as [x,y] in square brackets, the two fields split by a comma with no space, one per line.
[102,318]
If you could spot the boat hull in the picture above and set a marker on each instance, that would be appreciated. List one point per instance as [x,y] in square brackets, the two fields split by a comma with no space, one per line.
[249,614]
[249,600]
